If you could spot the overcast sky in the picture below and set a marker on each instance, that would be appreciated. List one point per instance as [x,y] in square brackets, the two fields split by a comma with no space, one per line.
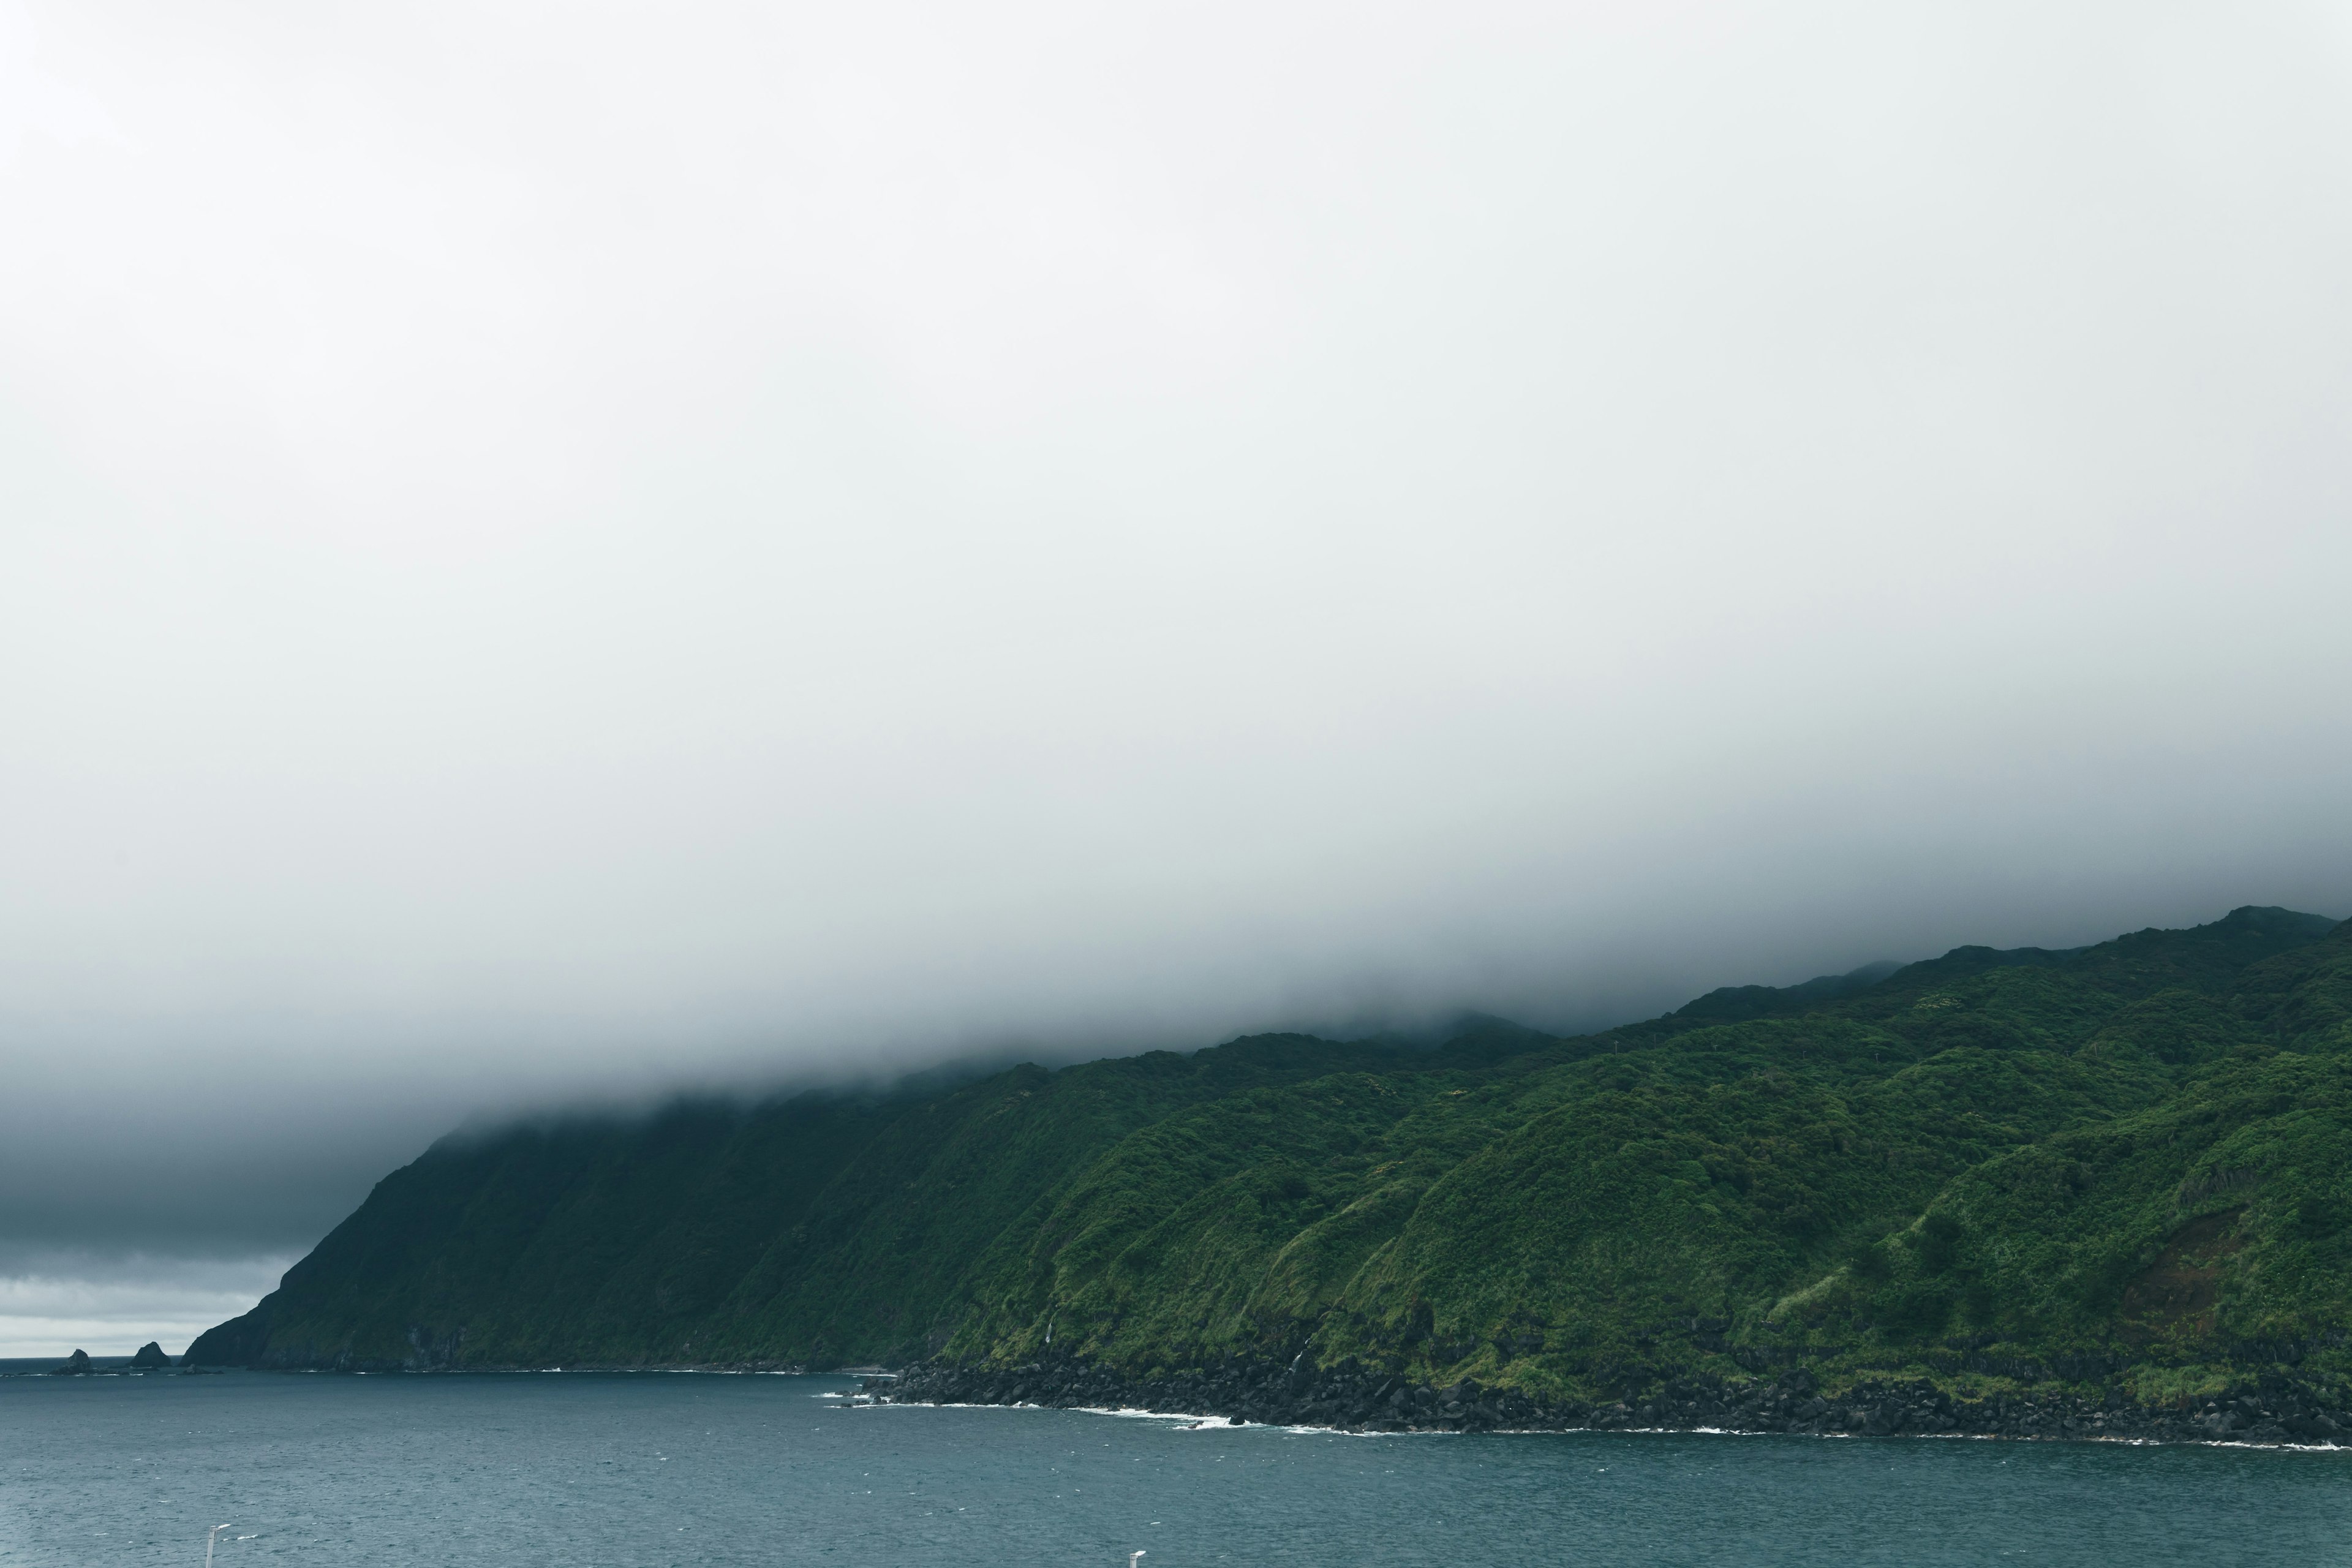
[552,551]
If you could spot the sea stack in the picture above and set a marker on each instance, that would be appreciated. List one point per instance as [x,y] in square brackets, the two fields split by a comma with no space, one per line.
[75,1364]
[150,1355]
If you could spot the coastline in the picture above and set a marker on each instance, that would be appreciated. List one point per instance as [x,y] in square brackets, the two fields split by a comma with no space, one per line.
[2267,1409]
[2270,1411]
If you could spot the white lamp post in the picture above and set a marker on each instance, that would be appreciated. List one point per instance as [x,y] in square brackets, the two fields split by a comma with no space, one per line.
[214,1534]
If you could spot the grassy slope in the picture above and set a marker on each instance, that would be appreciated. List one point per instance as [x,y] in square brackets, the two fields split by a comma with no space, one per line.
[2132,1152]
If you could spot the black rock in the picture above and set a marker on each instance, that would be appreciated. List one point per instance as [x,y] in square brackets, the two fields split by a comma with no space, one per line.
[75,1364]
[151,1354]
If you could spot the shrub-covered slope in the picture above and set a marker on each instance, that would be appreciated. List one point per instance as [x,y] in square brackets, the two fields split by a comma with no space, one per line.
[2130,1158]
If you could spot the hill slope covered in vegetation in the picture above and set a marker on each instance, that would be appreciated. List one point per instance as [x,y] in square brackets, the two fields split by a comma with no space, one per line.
[2128,1162]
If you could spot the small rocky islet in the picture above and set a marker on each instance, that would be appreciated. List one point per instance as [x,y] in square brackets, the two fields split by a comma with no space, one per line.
[151,1357]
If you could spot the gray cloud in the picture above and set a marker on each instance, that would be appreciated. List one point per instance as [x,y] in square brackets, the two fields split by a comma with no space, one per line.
[547,555]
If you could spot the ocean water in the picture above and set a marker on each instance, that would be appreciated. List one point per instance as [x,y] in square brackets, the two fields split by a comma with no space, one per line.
[654,1468]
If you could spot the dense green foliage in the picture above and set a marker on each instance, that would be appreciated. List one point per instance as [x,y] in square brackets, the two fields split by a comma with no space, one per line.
[2135,1157]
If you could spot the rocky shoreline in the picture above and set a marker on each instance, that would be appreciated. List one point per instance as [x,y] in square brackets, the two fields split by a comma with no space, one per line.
[2270,1408]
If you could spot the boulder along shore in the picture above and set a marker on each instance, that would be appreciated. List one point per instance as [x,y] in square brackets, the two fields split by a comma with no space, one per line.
[2270,1408]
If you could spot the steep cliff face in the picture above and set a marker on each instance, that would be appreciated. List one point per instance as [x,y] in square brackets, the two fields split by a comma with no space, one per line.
[2126,1160]
[812,1229]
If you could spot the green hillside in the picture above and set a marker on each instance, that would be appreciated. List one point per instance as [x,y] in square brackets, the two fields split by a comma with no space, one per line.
[2128,1162]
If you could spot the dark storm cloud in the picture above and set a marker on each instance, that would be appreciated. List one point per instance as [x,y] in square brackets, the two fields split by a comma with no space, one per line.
[247,1174]
[555,557]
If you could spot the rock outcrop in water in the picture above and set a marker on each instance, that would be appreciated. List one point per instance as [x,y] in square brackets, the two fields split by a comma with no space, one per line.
[76,1365]
[151,1357]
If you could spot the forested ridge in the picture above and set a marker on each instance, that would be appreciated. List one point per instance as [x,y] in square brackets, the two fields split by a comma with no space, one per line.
[2127,1162]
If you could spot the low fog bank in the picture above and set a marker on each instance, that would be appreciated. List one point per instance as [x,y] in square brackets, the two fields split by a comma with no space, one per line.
[141,1199]
[237,1151]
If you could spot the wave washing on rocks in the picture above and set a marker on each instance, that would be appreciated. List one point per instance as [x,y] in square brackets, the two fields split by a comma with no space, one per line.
[1348,1397]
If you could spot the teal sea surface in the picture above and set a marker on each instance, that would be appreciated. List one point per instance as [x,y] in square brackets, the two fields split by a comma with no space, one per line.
[654,1467]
